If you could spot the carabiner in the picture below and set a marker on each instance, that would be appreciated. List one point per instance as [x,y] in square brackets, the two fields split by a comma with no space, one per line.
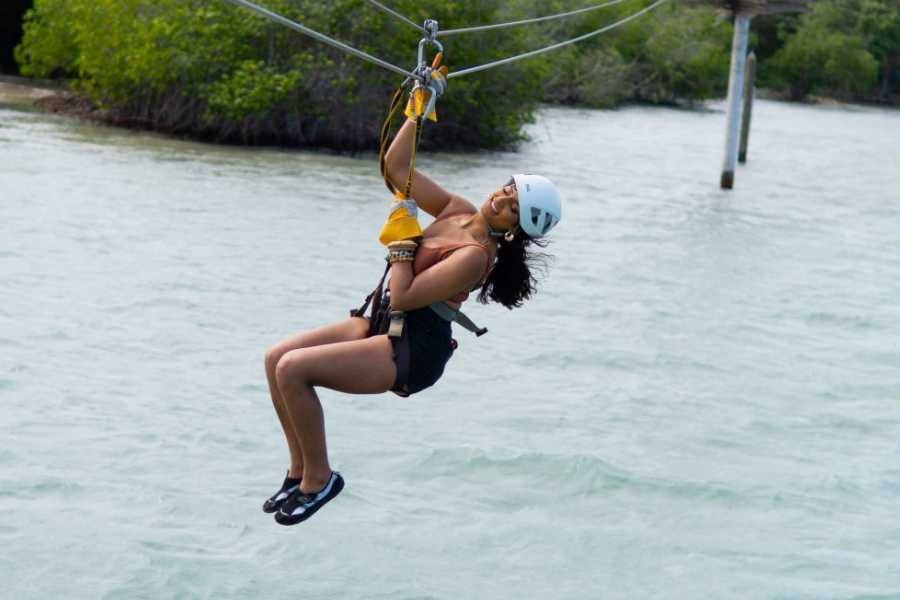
[429,108]
[431,28]
[420,64]
[422,71]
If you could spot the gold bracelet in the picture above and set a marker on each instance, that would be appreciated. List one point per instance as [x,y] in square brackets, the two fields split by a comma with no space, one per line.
[400,255]
[395,259]
[402,251]
[408,245]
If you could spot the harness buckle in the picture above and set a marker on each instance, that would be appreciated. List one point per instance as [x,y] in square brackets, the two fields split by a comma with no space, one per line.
[395,329]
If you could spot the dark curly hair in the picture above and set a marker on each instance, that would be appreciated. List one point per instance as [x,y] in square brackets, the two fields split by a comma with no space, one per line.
[512,280]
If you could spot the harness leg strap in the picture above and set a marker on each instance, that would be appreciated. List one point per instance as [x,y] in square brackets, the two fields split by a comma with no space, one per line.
[402,360]
[447,313]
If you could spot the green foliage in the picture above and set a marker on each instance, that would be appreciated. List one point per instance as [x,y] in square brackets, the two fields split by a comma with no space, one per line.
[672,55]
[208,68]
[252,89]
[211,69]
[601,78]
[823,62]
[48,45]
[848,49]
[685,55]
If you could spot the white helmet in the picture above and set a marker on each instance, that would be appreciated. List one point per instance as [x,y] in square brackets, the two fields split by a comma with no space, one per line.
[539,205]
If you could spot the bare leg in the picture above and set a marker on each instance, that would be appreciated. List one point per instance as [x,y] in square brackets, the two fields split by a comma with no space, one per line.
[357,367]
[350,329]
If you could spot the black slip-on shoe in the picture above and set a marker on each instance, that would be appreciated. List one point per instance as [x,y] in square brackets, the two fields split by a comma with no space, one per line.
[299,506]
[278,498]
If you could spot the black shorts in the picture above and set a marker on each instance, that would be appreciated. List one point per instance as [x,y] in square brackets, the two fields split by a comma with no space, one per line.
[427,345]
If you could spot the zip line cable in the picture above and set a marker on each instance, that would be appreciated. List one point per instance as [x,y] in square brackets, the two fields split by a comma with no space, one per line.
[322,38]
[580,38]
[386,65]
[396,14]
[528,21]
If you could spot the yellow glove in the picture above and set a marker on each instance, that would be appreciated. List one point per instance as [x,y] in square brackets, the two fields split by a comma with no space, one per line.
[402,222]
[416,104]
[421,96]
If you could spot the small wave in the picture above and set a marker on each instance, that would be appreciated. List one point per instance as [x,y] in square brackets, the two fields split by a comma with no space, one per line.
[855,322]
[567,475]
[173,549]
[253,388]
[151,303]
[850,424]
[51,486]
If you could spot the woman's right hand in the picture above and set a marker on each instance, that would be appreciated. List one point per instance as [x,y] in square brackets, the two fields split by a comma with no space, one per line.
[423,97]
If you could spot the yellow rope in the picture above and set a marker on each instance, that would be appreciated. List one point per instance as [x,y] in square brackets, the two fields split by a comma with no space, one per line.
[396,101]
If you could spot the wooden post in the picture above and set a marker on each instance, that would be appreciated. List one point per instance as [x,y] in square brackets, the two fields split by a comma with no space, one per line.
[735,91]
[748,106]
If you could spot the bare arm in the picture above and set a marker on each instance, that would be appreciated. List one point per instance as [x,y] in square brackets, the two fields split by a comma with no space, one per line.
[459,272]
[428,195]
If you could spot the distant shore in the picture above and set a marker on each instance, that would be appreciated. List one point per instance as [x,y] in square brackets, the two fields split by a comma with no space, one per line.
[56,97]
[50,95]
[21,90]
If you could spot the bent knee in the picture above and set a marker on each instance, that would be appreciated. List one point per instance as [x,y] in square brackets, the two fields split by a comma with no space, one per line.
[289,368]
[273,355]
[276,352]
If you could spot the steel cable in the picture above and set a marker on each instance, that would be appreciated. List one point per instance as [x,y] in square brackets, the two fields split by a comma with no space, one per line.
[396,14]
[580,38]
[528,21]
[384,64]
[315,34]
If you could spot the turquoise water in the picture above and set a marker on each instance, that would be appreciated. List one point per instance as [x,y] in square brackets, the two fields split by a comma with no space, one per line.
[701,402]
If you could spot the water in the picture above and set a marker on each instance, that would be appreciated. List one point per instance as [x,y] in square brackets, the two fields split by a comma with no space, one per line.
[701,402]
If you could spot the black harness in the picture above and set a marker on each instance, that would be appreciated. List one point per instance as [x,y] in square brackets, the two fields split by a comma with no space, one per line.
[384,320]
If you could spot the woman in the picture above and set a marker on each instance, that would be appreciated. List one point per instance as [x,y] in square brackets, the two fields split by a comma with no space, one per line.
[464,248]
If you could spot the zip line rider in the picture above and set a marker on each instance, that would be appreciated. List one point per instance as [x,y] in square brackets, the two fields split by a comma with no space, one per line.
[405,344]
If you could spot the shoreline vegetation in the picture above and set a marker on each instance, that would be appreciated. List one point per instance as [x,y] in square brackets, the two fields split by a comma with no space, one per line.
[56,96]
[206,70]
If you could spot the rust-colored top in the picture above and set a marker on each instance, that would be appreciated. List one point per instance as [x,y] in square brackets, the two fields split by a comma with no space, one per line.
[428,256]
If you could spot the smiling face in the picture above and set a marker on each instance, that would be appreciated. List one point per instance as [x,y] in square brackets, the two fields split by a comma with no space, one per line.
[501,209]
